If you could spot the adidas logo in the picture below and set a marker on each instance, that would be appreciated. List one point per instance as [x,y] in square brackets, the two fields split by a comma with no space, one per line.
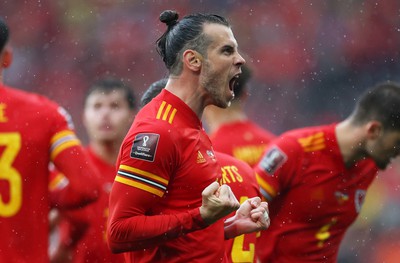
[200,158]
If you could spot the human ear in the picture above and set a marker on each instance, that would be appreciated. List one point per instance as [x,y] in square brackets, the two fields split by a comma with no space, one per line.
[192,59]
[374,129]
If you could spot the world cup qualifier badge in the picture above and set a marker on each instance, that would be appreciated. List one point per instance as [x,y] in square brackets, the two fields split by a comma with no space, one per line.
[272,160]
[144,146]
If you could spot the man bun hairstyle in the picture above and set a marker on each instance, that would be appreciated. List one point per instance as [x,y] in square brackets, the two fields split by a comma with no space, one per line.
[184,34]
[169,17]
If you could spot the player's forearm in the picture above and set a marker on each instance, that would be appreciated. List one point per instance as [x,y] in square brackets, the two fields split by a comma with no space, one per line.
[139,232]
[83,187]
[230,228]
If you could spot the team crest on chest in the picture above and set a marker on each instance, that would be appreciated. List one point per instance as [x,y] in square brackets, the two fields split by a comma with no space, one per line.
[211,155]
[201,157]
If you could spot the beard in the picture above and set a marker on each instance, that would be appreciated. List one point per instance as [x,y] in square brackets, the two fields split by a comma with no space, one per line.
[214,83]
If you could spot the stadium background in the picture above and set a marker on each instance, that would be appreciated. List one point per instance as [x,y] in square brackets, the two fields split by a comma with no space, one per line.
[311,59]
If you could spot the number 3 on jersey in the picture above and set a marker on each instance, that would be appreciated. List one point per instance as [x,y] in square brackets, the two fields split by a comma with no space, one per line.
[11,144]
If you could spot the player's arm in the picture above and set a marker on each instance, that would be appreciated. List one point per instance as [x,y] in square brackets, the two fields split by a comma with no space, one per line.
[72,226]
[69,158]
[139,186]
[252,216]
[277,166]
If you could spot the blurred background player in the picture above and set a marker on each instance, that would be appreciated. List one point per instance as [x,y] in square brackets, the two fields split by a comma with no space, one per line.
[230,129]
[109,109]
[165,203]
[35,131]
[242,180]
[316,178]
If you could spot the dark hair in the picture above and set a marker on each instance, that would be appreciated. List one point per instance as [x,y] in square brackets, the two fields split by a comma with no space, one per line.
[153,90]
[381,103]
[182,35]
[241,82]
[4,34]
[110,84]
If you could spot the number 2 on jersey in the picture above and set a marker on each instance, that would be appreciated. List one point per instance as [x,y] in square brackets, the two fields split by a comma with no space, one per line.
[12,144]
[238,253]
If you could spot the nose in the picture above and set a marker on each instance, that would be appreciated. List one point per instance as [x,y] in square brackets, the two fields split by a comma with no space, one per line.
[239,60]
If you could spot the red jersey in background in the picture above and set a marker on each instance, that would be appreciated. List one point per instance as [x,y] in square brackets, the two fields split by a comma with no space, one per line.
[86,227]
[315,198]
[242,180]
[33,132]
[244,140]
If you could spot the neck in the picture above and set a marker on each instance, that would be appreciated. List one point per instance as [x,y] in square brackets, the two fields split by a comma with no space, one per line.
[187,89]
[107,151]
[216,117]
[351,142]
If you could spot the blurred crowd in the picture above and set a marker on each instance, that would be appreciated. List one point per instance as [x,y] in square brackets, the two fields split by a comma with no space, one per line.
[311,59]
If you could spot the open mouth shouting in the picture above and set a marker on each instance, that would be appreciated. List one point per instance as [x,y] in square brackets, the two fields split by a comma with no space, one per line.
[232,84]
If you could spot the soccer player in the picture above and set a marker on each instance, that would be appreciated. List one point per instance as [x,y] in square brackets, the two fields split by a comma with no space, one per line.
[109,109]
[316,178]
[33,132]
[241,179]
[165,203]
[232,132]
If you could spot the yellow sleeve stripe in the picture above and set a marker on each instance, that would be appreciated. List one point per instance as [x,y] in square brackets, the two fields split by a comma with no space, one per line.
[144,173]
[312,148]
[171,118]
[59,181]
[61,147]
[60,135]
[61,141]
[164,112]
[165,115]
[139,185]
[311,139]
[264,185]
[160,110]
[313,143]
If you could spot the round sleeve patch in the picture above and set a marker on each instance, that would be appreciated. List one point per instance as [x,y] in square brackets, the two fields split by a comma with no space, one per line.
[272,160]
[144,146]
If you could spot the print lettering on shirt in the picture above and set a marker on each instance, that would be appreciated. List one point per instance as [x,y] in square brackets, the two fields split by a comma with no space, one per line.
[3,117]
[272,160]
[144,146]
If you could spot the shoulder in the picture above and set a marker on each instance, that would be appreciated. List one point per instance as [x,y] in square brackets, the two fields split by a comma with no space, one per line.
[28,97]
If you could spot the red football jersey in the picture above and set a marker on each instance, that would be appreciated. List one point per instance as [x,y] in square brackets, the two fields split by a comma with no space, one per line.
[242,180]
[244,140]
[33,132]
[315,197]
[165,162]
[91,221]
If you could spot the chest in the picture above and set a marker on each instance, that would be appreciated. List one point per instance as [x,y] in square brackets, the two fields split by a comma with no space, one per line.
[197,168]
[325,189]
